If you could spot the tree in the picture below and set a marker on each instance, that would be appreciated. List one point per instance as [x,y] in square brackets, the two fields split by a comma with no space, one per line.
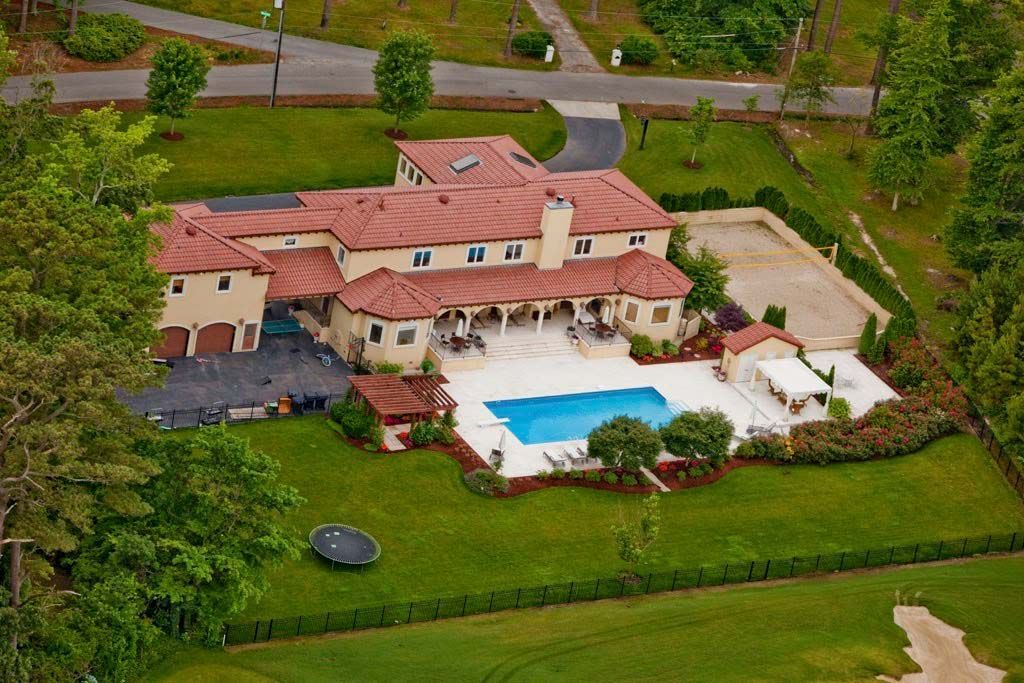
[513,23]
[633,536]
[988,226]
[751,103]
[176,79]
[702,115]
[811,82]
[705,269]
[453,9]
[775,316]
[73,19]
[325,14]
[833,27]
[625,442]
[97,160]
[900,165]
[812,34]
[699,434]
[867,335]
[884,38]
[401,75]
[215,528]
[81,303]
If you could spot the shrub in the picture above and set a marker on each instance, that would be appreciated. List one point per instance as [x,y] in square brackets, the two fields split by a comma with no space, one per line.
[638,50]
[611,478]
[839,408]
[731,317]
[423,433]
[867,335]
[386,368]
[558,473]
[354,421]
[543,475]
[772,199]
[775,316]
[624,442]
[532,43]
[593,475]
[575,474]
[105,37]
[701,344]
[427,366]
[629,480]
[681,475]
[486,482]
[641,345]
[375,434]
[669,348]
[906,375]
[705,433]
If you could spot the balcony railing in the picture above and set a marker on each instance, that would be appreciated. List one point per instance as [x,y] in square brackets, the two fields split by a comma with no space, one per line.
[591,336]
[470,347]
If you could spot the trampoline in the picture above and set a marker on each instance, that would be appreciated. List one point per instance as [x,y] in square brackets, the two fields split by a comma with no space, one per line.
[344,546]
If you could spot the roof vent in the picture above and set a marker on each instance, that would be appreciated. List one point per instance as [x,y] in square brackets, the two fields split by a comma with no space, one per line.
[551,192]
[190,229]
[465,163]
[443,199]
[525,161]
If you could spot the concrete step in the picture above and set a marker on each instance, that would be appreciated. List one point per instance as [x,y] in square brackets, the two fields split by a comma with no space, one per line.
[527,348]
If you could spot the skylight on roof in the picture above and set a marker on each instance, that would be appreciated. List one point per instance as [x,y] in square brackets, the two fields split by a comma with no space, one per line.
[465,163]
[523,160]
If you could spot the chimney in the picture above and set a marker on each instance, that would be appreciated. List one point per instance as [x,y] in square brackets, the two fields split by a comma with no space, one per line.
[554,227]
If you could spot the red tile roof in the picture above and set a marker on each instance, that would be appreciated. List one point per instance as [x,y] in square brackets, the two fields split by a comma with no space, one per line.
[190,247]
[577,278]
[301,273]
[391,217]
[269,222]
[752,335]
[497,165]
[387,294]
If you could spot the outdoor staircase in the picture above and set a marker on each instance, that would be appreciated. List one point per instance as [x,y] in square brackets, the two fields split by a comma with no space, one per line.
[522,347]
[677,407]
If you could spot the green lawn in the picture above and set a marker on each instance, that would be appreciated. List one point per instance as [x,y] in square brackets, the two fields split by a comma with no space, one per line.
[477,37]
[440,539]
[248,150]
[823,629]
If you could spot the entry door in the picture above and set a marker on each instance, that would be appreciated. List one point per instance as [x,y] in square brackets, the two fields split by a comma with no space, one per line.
[249,336]
[746,370]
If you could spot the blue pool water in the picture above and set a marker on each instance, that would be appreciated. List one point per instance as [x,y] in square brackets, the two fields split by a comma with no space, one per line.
[572,416]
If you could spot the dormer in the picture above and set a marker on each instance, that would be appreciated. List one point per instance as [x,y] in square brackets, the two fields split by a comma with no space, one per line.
[555,222]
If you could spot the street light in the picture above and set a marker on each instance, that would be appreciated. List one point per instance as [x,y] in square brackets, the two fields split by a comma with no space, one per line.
[278,5]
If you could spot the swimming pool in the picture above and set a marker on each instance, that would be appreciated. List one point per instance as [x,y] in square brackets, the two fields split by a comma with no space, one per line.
[568,417]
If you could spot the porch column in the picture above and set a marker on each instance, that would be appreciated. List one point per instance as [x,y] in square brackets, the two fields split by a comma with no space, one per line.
[576,314]
[540,318]
[504,323]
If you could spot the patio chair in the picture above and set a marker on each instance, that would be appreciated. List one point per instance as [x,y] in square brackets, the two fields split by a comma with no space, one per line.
[796,406]
[575,456]
[556,459]
[479,342]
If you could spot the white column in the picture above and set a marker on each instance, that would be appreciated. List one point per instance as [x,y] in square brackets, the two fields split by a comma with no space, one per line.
[540,318]
[789,402]
[828,400]
[504,323]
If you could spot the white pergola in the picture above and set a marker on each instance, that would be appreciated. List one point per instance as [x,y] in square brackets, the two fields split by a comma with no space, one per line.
[793,378]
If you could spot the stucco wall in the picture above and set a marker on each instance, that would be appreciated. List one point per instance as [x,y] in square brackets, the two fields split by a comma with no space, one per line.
[202,305]
[305,239]
[643,325]
[771,347]
[343,322]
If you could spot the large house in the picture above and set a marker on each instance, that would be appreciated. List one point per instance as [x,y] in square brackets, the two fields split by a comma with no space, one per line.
[476,245]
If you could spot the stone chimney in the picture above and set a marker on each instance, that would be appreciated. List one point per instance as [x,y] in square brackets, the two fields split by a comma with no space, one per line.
[554,228]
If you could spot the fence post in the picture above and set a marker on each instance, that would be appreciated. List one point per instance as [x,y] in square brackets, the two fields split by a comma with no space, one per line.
[939,556]
[725,573]
[355,617]
[437,609]
[408,618]
[256,631]
[572,587]
[842,559]
[298,626]
[544,596]
[988,543]
[490,605]
[767,566]
[817,563]
[383,609]
[867,557]
[465,599]
[252,410]
[750,572]
[270,630]
[700,575]
[963,548]
[597,587]
[519,593]
[675,575]
[792,567]
[916,549]
[648,588]
[892,553]
[622,586]
[327,623]
[1013,541]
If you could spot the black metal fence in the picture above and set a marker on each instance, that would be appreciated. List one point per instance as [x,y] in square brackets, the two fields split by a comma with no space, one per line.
[600,589]
[1008,462]
[237,413]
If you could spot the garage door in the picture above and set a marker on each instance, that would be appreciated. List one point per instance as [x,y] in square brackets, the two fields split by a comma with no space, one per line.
[175,343]
[216,338]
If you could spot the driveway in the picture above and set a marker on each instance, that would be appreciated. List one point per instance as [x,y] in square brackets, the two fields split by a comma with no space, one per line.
[595,138]
[288,361]
[316,67]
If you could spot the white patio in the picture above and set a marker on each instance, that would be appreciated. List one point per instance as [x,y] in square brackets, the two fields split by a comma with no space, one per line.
[692,384]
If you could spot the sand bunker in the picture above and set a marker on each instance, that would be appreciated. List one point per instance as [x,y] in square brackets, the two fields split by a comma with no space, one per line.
[939,650]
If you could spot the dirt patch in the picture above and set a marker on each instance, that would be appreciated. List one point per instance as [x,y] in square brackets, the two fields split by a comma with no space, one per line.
[939,650]
[693,165]
[858,223]
[396,133]
[172,137]
[327,101]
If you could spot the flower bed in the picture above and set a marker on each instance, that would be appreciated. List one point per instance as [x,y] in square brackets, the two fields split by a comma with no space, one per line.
[707,345]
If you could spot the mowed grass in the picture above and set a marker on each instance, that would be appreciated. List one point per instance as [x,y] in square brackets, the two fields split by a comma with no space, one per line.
[251,150]
[439,539]
[837,628]
[476,37]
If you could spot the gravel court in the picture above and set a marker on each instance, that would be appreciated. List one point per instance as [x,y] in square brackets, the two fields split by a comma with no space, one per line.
[816,307]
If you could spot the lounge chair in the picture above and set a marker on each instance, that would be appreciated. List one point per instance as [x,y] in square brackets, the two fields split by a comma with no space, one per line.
[575,456]
[556,459]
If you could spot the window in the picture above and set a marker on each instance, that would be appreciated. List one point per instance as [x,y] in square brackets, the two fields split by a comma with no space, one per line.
[177,286]
[514,251]
[419,179]
[341,255]
[406,335]
[638,239]
[223,284]
[583,246]
[409,172]
[401,166]
[632,311]
[660,314]
[376,333]
[476,254]
[291,241]
[421,258]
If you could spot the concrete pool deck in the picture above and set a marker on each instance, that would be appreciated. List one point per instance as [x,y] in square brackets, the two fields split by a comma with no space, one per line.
[691,383]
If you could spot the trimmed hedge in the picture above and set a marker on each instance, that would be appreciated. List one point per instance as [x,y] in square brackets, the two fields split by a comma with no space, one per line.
[532,43]
[105,37]
[866,274]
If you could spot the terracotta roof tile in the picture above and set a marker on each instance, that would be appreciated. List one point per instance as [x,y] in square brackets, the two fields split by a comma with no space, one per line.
[268,222]
[497,164]
[300,273]
[387,294]
[650,277]
[749,336]
[189,247]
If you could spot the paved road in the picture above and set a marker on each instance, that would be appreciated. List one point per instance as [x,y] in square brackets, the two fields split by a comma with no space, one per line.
[320,68]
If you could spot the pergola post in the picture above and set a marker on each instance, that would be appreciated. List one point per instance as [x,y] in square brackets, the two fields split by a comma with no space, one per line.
[789,403]
[504,323]
[828,400]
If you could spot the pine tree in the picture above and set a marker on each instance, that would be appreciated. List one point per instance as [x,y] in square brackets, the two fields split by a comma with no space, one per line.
[867,336]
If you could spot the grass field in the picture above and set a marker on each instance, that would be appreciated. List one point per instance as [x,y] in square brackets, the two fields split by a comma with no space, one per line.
[477,37]
[253,150]
[440,539]
[836,628]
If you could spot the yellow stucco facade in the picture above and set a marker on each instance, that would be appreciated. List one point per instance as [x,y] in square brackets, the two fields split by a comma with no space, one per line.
[740,367]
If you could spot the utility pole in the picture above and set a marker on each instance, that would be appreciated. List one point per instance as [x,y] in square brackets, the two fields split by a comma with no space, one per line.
[278,4]
[512,28]
[792,63]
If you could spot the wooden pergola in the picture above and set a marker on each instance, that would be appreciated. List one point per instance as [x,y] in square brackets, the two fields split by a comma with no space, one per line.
[420,396]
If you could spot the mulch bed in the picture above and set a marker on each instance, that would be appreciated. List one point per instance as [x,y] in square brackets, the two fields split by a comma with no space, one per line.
[673,482]
[173,137]
[685,356]
[508,104]
[682,112]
